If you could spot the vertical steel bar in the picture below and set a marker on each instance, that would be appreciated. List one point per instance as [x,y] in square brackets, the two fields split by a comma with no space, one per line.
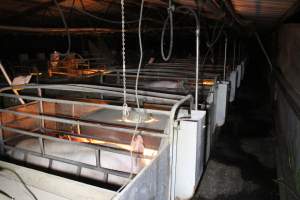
[98,154]
[41,109]
[42,146]
[197,68]
[73,116]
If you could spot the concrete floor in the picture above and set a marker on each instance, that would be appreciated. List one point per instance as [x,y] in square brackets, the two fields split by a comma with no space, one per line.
[242,164]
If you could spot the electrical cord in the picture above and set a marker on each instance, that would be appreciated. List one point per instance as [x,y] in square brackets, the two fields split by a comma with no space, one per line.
[211,44]
[65,25]
[21,180]
[141,55]
[264,51]
[7,195]
[170,20]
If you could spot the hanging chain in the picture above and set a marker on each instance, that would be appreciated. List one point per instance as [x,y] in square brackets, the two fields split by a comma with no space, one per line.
[125,106]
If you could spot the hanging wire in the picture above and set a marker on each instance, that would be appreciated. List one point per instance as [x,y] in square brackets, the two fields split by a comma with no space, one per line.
[264,51]
[211,44]
[173,158]
[141,55]
[21,180]
[7,195]
[66,27]
[170,20]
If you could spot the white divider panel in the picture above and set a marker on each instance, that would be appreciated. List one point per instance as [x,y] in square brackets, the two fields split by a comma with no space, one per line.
[152,182]
[47,186]
[221,103]
[190,155]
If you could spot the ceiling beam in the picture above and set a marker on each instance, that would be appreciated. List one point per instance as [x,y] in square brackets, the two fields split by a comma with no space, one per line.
[80,30]
[31,11]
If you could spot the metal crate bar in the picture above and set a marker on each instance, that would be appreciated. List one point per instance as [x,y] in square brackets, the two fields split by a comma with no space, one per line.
[72,162]
[83,123]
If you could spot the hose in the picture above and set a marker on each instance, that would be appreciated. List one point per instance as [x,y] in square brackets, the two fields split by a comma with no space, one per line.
[264,51]
[21,180]
[141,55]
[170,20]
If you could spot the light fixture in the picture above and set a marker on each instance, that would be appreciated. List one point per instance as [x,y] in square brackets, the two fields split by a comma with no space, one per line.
[136,116]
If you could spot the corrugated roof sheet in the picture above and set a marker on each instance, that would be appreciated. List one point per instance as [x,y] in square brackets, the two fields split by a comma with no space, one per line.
[262,11]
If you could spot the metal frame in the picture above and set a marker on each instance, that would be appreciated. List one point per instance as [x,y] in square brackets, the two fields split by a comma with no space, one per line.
[174,100]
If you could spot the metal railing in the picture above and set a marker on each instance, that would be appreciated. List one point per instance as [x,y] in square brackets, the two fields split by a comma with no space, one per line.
[40,116]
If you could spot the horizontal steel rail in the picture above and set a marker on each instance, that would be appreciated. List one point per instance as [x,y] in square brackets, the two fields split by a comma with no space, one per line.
[86,123]
[68,161]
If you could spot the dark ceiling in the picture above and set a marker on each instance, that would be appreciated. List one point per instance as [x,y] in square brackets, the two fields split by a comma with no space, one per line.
[43,13]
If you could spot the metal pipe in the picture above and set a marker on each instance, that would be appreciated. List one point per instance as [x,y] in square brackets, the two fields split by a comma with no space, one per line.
[72,162]
[83,123]
[10,82]
[92,90]
[41,107]
[91,146]
[175,78]
[144,98]
[46,30]
[197,68]
[155,94]
[197,48]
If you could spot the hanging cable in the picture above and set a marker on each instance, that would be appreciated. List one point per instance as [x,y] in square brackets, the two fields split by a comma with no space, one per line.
[197,34]
[65,25]
[7,195]
[170,20]
[264,51]
[137,79]
[141,55]
[173,158]
[211,44]
[21,180]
